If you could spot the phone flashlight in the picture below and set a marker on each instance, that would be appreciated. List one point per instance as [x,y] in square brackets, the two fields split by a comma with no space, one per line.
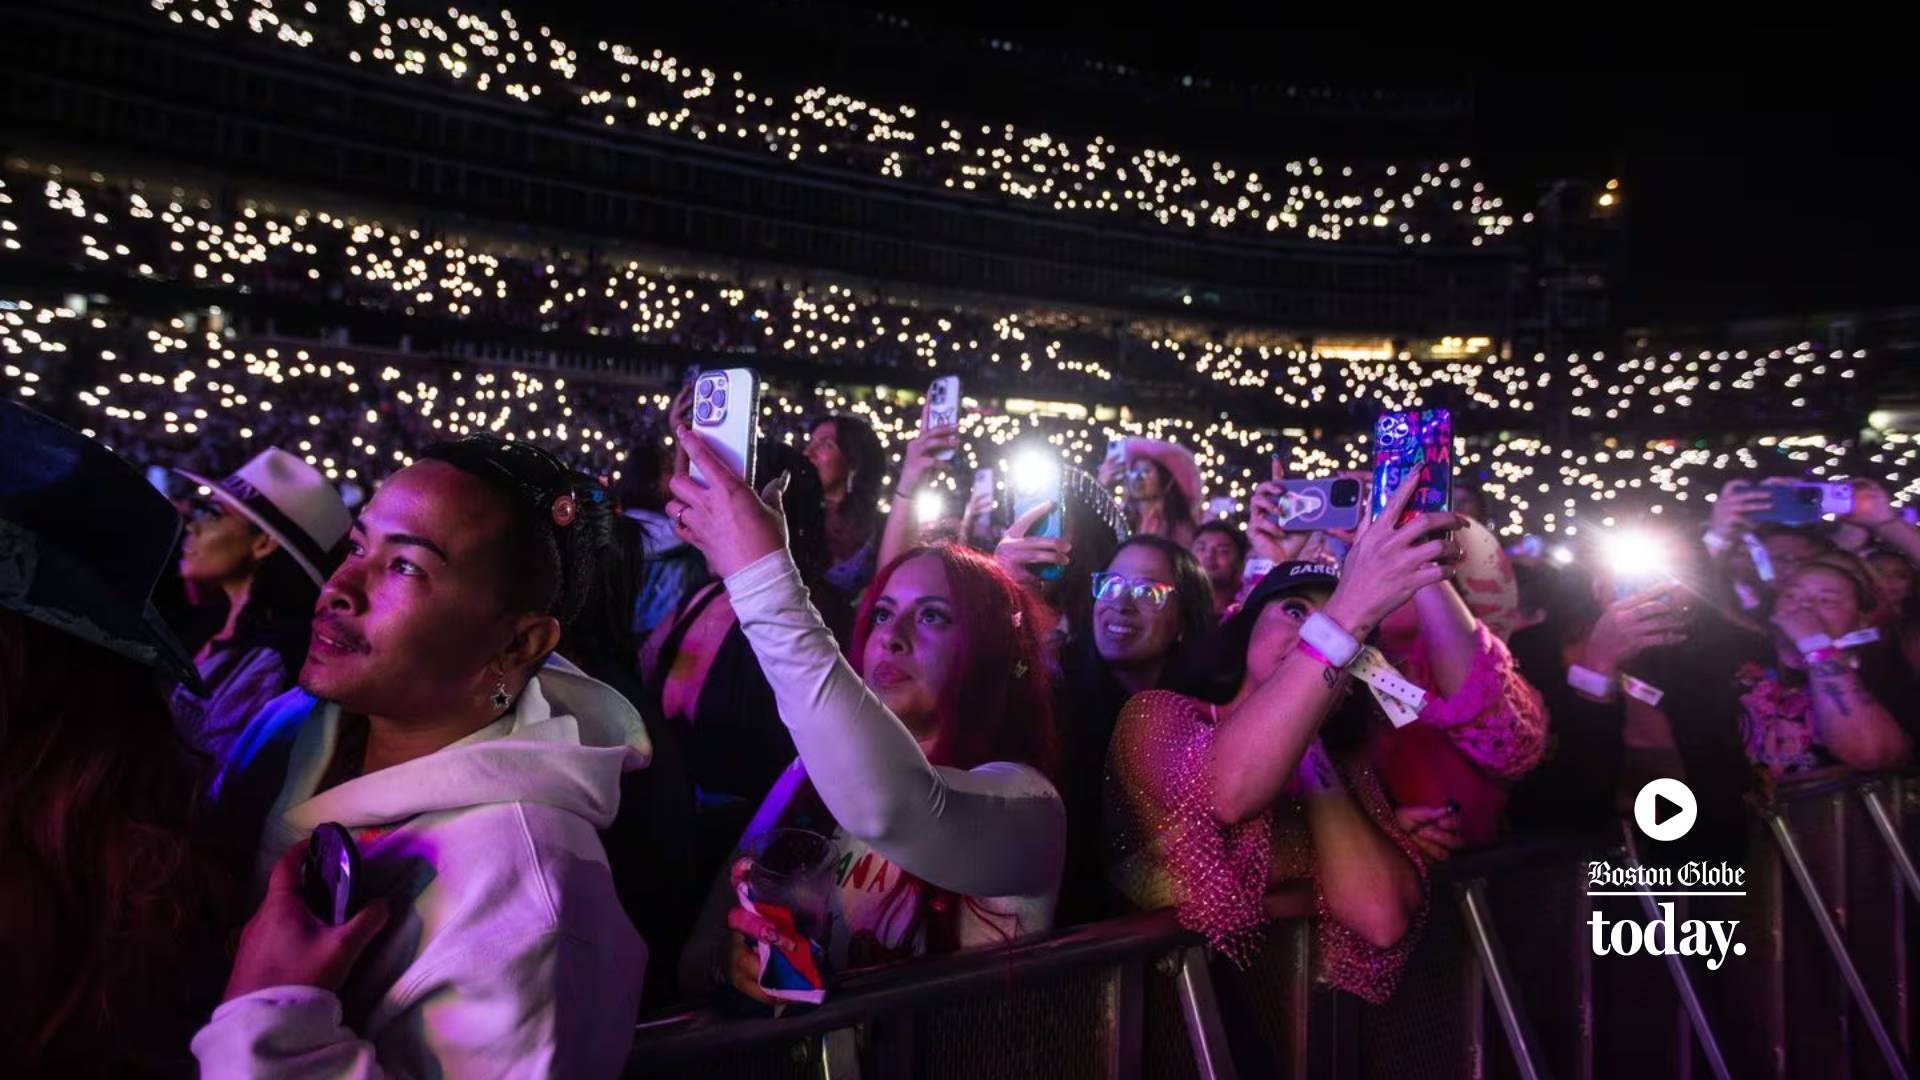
[1638,559]
[929,507]
[1034,472]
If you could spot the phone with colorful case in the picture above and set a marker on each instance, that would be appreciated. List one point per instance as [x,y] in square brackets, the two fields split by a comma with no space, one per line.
[942,408]
[1418,441]
[726,406]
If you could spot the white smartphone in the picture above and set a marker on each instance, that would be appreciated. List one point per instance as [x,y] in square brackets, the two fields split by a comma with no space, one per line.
[1221,507]
[942,408]
[726,408]
[1117,450]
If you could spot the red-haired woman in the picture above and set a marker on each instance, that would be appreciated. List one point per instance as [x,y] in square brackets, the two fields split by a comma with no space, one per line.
[925,758]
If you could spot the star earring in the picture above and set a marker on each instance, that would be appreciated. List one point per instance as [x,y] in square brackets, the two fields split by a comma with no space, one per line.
[500,700]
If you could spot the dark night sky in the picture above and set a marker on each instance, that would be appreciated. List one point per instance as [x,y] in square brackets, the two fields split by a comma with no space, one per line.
[1765,169]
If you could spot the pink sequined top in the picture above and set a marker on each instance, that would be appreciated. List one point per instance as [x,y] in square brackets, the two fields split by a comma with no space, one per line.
[1167,847]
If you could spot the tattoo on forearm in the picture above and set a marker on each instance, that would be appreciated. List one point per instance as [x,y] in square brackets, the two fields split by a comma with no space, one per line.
[1835,697]
[1840,685]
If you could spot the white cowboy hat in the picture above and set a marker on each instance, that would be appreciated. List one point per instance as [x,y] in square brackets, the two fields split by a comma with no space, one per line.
[290,501]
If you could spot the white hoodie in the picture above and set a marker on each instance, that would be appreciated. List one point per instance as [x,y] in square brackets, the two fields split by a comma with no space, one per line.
[508,953]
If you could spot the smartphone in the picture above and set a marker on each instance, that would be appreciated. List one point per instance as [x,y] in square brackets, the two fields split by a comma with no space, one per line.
[1255,569]
[1221,507]
[942,408]
[1117,451]
[726,406]
[1805,503]
[330,874]
[1034,478]
[983,483]
[1315,505]
[1420,440]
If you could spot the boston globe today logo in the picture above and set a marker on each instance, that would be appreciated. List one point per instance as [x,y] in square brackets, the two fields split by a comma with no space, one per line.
[1665,810]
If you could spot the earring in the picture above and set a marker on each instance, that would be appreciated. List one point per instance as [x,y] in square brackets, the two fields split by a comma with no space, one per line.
[500,701]
[849,483]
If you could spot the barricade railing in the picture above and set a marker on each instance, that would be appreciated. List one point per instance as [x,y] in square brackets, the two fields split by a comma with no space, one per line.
[1504,983]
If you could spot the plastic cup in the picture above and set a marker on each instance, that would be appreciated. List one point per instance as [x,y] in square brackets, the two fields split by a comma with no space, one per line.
[794,868]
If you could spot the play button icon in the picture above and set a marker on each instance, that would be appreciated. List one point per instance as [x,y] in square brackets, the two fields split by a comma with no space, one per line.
[1665,809]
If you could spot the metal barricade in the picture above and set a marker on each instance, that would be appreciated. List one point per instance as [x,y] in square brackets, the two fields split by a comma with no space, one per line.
[1504,983]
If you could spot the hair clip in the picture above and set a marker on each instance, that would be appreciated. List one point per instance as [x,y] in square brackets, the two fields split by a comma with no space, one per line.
[565,510]
[1019,619]
[1020,669]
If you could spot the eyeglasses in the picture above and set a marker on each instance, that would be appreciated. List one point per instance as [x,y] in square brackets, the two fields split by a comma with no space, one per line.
[1111,587]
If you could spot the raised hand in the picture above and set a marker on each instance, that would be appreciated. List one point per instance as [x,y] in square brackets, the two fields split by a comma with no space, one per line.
[1017,553]
[1628,627]
[1264,535]
[919,462]
[1388,563]
[723,517]
[1736,501]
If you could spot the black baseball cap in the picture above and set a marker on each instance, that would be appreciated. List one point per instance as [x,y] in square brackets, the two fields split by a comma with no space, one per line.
[1284,579]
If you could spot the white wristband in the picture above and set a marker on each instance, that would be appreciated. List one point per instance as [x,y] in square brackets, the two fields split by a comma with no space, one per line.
[1589,682]
[1813,641]
[1642,691]
[1330,639]
[1717,543]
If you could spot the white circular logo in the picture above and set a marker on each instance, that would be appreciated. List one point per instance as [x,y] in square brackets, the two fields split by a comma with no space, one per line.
[1665,809]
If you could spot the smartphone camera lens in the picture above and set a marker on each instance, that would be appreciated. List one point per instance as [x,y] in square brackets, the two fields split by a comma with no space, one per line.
[709,400]
[1346,493]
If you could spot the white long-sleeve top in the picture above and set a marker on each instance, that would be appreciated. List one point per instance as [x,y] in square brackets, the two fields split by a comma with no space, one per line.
[996,833]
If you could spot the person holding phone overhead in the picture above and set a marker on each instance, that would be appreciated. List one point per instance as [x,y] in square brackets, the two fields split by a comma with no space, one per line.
[1162,488]
[926,455]
[472,768]
[703,678]
[853,471]
[1213,805]
[924,752]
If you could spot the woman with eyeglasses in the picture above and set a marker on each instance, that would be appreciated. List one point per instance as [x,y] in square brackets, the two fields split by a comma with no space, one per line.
[262,540]
[1212,805]
[1149,605]
[923,752]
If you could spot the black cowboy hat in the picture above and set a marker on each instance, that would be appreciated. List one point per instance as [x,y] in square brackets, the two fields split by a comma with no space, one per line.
[83,539]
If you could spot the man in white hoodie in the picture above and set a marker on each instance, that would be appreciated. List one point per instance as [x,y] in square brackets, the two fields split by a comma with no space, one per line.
[473,771]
